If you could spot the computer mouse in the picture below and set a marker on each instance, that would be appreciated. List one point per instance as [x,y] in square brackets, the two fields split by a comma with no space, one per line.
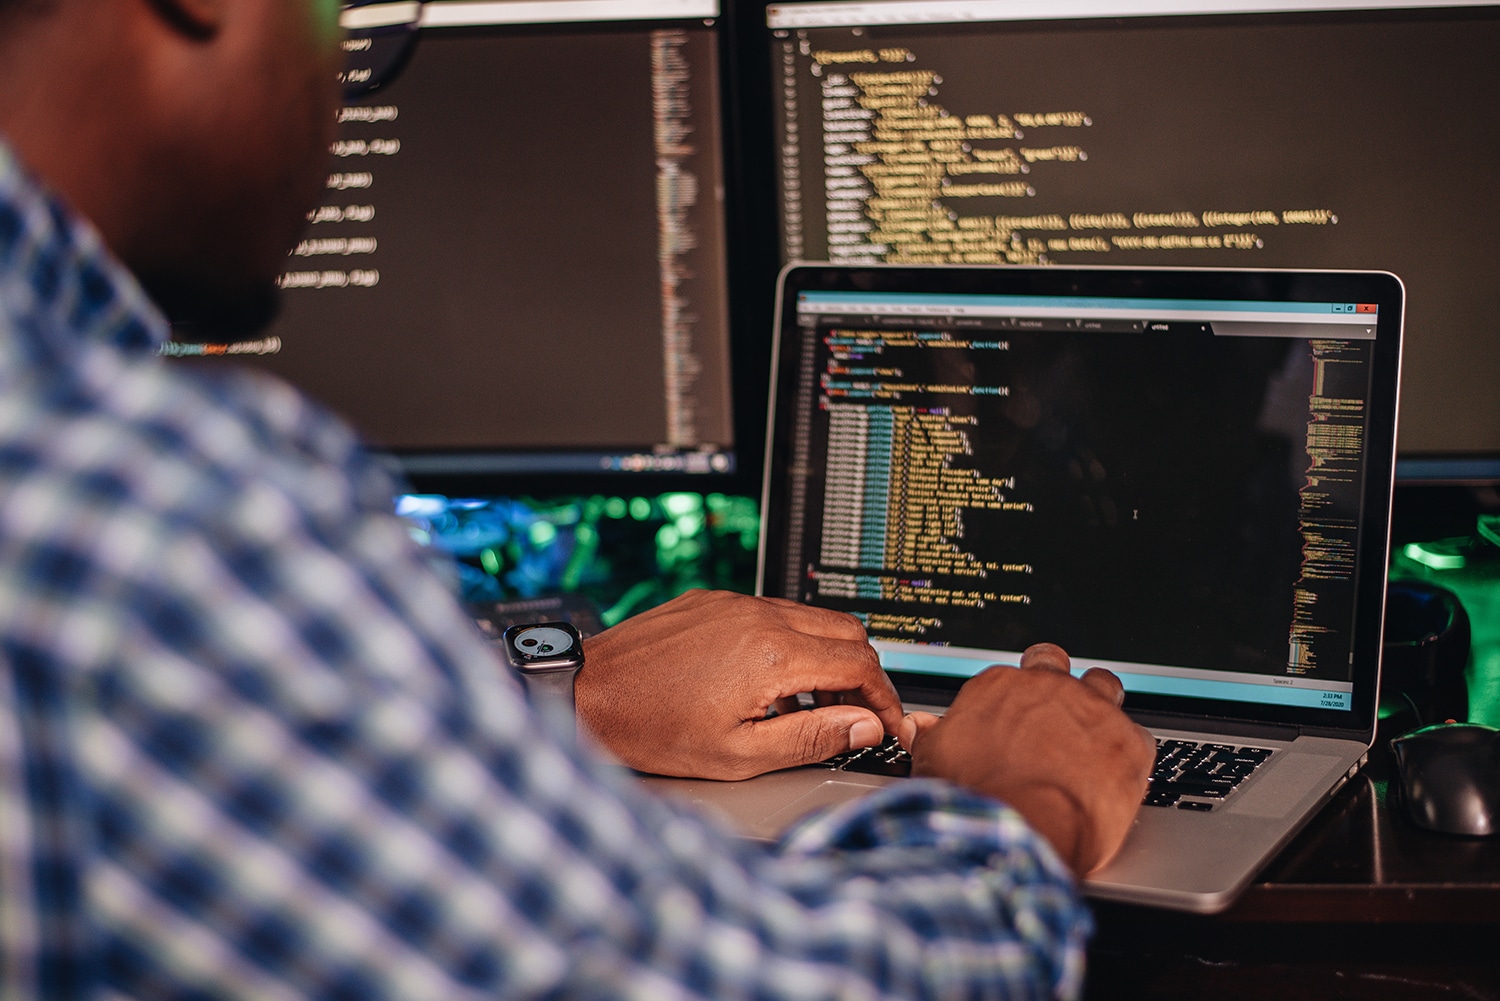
[1449,777]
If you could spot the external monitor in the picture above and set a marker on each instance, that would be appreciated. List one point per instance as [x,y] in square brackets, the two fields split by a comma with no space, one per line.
[1183,133]
[519,276]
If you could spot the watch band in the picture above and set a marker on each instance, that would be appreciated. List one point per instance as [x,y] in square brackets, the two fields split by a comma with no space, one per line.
[553,684]
[547,656]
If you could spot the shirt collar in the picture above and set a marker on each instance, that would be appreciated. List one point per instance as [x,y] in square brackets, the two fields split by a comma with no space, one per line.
[71,275]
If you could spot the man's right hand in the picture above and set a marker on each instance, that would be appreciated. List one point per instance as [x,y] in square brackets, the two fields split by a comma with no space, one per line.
[685,688]
[1055,747]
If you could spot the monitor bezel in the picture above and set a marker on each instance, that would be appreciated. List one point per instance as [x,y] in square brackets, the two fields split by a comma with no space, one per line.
[1127,282]
[749,284]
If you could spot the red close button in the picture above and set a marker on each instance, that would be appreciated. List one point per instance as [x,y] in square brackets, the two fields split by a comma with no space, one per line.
[1364,307]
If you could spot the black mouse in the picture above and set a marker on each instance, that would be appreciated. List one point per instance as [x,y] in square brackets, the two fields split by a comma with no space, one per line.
[1449,777]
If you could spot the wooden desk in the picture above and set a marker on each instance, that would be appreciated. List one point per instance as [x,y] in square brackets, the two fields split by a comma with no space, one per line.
[1361,904]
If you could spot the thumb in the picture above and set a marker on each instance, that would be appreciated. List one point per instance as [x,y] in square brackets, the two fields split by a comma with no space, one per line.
[812,735]
[913,725]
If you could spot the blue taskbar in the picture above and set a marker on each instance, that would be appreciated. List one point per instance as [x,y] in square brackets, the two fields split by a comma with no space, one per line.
[1144,679]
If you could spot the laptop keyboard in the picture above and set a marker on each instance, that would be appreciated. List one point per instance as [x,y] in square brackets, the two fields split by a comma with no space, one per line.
[886,758]
[1188,775]
[1195,776]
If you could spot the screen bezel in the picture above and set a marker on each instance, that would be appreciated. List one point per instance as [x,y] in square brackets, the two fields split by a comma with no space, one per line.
[1373,557]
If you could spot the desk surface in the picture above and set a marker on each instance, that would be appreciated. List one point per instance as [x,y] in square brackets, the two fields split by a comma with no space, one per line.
[1360,860]
[1362,904]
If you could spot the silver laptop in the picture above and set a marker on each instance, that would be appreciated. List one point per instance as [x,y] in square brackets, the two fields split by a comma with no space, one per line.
[1181,475]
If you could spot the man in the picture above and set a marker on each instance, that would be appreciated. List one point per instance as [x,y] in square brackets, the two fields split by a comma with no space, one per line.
[250,747]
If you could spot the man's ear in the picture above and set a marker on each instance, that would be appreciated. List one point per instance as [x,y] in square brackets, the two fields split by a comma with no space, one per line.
[201,19]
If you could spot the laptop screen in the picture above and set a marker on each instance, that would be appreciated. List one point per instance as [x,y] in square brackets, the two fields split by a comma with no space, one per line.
[1183,477]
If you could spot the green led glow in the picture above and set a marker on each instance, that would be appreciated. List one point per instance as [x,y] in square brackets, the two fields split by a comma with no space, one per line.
[616,507]
[563,513]
[617,612]
[1489,528]
[1469,566]
[585,551]
[691,525]
[678,505]
[490,560]
[640,508]
[542,533]
[1418,553]
[667,538]
[736,516]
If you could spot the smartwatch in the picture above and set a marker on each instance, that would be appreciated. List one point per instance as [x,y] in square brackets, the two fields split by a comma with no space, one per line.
[547,656]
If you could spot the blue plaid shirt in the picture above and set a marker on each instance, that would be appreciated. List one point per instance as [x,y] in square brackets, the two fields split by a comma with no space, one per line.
[251,746]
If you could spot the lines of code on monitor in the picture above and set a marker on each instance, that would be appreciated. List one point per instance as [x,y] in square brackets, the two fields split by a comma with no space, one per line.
[521,253]
[1138,492]
[1317,140]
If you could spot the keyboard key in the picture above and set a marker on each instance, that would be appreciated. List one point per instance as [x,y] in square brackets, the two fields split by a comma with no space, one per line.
[839,760]
[885,758]
[1203,772]
[1206,794]
[900,767]
[1186,775]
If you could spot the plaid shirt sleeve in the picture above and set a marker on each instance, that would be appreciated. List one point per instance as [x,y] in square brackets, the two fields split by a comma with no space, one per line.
[345,806]
[251,747]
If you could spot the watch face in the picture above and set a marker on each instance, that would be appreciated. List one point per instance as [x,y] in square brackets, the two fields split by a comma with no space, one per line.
[544,644]
[543,641]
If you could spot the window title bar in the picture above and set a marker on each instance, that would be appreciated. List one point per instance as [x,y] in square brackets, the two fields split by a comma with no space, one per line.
[1040,305]
[873,12]
[1228,318]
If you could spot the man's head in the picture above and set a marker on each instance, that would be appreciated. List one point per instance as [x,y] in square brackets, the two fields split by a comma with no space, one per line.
[193,133]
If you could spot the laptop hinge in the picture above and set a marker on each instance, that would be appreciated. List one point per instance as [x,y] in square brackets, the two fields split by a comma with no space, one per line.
[920,696]
[1237,728]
